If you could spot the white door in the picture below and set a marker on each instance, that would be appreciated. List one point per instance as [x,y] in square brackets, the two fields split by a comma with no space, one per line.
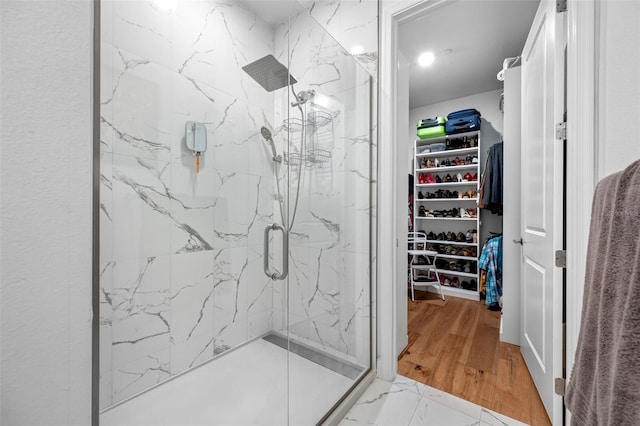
[542,195]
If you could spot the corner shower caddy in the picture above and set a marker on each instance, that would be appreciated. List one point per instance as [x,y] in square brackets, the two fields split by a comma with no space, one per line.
[314,157]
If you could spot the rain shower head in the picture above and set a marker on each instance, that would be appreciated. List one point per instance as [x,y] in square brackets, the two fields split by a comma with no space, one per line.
[269,73]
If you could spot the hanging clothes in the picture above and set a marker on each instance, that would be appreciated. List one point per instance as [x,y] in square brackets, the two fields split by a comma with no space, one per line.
[491,262]
[410,224]
[492,183]
[604,388]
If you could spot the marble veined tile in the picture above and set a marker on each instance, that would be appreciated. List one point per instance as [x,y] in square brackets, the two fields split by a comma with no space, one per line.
[141,208]
[430,412]
[141,100]
[230,298]
[141,308]
[234,209]
[140,374]
[352,23]
[453,402]
[193,199]
[409,384]
[192,287]
[389,404]
[212,43]
[492,418]
[143,27]
[383,404]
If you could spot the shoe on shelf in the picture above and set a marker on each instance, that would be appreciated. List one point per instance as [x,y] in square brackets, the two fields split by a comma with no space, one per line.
[420,196]
[422,212]
[428,178]
[460,237]
[464,214]
[456,161]
[474,178]
[438,179]
[468,177]
[448,178]
[432,236]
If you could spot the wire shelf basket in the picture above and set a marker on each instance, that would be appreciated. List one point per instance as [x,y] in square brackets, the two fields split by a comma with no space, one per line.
[294,125]
[319,118]
[319,157]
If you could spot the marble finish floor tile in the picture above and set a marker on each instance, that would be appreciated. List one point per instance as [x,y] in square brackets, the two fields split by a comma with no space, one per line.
[247,386]
[406,402]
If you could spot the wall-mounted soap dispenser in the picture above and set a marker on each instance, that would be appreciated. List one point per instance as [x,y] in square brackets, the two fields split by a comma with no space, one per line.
[196,139]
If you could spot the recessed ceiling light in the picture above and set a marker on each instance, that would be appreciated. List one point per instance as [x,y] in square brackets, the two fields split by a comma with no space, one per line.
[426,59]
[357,50]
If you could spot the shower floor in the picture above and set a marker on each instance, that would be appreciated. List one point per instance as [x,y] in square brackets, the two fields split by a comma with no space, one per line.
[245,387]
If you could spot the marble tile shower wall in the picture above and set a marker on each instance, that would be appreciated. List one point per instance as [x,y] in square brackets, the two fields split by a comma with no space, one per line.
[329,263]
[352,23]
[181,252]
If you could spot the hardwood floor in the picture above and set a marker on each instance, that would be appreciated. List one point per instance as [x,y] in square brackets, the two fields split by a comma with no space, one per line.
[454,346]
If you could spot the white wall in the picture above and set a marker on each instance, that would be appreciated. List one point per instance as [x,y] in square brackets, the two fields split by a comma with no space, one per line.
[45,213]
[619,91]
[402,172]
[492,125]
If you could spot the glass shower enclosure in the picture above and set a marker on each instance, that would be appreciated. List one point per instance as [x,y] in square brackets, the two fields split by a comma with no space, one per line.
[235,203]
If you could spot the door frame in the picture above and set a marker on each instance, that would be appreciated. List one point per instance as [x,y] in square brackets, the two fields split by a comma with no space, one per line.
[581,144]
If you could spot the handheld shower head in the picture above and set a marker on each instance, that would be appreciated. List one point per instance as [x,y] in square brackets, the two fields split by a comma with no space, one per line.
[266,134]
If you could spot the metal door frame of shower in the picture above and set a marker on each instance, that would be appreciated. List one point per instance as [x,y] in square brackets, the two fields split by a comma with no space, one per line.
[95,213]
[347,400]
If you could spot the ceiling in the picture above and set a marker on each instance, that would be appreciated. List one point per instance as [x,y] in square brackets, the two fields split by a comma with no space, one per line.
[470,38]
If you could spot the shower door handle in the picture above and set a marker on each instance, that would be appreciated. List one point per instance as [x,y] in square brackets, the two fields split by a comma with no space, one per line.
[285,252]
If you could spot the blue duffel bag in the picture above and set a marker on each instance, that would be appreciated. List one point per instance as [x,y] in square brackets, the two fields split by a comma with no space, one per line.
[465,120]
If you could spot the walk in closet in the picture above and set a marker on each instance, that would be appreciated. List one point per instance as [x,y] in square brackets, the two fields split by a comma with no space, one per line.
[463,332]
[446,171]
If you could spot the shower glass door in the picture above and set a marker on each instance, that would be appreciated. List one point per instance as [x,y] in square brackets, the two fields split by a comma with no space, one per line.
[326,296]
[234,214]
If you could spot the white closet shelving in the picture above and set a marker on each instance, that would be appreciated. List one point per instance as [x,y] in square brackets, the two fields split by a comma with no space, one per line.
[438,207]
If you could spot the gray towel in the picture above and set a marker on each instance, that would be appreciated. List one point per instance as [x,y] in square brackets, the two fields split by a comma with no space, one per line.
[604,388]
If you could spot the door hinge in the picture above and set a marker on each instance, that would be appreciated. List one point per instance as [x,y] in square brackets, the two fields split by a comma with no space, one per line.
[561,6]
[561,258]
[560,386]
[561,130]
